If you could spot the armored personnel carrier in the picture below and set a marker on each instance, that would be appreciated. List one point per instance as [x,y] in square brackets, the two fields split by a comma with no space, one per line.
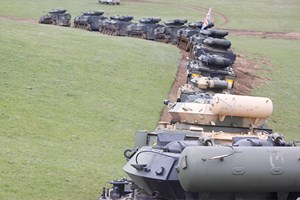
[199,85]
[215,148]
[89,20]
[58,17]
[203,34]
[211,66]
[184,34]
[116,25]
[214,46]
[168,33]
[144,29]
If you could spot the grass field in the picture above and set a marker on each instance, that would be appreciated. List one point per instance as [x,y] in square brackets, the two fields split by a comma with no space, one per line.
[71,100]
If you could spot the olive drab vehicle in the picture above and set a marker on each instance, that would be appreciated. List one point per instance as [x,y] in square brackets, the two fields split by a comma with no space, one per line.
[168,33]
[116,25]
[144,29]
[89,20]
[216,147]
[56,17]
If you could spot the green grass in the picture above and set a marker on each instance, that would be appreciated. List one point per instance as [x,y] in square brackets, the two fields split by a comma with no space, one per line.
[70,103]
[71,99]
[284,74]
[280,15]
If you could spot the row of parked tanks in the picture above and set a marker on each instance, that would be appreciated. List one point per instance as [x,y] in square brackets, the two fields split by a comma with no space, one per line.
[217,145]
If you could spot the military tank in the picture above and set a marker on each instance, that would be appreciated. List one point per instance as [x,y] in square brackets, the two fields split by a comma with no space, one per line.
[168,33]
[212,66]
[203,34]
[214,46]
[144,29]
[116,25]
[214,148]
[89,20]
[58,17]
[184,34]
[199,85]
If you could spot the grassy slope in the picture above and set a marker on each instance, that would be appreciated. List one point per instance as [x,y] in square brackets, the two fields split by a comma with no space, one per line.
[68,112]
[280,15]
[283,86]
[62,137]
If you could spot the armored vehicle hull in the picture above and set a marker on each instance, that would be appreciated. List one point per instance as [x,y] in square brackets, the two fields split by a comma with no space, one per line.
[89,20]
[116,25]
[184,35]
[168,33]
[177,168]
[145,29]
[56,17]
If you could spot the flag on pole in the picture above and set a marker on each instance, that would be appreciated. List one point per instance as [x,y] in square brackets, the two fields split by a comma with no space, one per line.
[206,20]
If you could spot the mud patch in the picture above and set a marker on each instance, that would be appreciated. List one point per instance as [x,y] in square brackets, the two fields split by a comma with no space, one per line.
[246,78]
[180,80]
[18,19]
[265,34]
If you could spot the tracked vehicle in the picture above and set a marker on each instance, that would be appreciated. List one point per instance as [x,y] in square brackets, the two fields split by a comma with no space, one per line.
[58,17]
[198,39]
[168,33]
[184,34]
[116,25]
[215,148]
[212,66]
[144,29]
[214,46]
[199,85]
[89,20]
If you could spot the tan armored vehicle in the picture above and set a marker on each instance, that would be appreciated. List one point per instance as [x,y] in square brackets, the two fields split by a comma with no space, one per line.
[222,117]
